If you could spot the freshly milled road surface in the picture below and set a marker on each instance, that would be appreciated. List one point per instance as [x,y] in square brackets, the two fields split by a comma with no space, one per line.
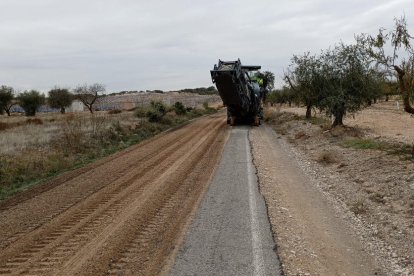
[230,234]
[122,215]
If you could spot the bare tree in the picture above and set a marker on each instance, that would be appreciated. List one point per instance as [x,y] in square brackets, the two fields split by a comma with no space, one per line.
[89,94]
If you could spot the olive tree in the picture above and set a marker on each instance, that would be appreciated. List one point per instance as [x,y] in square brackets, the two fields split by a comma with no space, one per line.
[282,96]
[338,81]
[60,98]
[394,54]
[30,101]
[305,77]
[348,81]
[89,94]
[6,99]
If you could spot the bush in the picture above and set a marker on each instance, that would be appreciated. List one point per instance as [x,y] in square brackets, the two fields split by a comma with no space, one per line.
[179,108]
[327,157]
[208,109]
[154,116]
[141,112]
[159,107]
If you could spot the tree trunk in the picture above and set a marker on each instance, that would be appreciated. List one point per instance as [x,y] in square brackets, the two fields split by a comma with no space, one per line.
[338,121]
[8,112]
[90,108]
[387,98]
[62,110]
[339,113]
[404,91]
[308,112]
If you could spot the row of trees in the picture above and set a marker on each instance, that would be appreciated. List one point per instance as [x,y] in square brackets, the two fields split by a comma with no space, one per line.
[346,78]
[59,98]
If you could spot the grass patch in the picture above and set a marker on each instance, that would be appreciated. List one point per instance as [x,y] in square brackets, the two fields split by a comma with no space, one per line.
[319,121]
[400,149]
[360,143]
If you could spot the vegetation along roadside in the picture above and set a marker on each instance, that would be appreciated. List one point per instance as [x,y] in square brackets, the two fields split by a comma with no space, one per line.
[34,150]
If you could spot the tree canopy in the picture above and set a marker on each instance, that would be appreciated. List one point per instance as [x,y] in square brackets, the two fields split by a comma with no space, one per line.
[60,98]
[394,55]
[30,101]
[6,99]
[337,81]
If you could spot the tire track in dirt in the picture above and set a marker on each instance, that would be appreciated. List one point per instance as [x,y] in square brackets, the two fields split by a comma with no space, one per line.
[133,162]
[41,188]
[108,230]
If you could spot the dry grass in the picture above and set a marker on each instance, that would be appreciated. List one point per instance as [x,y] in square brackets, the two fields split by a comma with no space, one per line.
[40,132]
[327,157]
[48,145]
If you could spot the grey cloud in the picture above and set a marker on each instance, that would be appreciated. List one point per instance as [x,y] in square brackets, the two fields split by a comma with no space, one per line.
[166,45]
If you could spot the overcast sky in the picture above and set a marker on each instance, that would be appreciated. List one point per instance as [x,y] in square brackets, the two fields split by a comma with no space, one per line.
[140,45]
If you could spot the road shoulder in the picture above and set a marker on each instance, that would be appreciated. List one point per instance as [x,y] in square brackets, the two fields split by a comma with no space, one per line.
[312,233]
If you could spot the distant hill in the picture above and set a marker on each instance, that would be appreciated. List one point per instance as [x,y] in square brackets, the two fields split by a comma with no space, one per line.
[199,91]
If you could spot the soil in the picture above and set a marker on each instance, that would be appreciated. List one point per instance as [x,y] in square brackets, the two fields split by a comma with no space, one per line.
[123,215]
[339,210]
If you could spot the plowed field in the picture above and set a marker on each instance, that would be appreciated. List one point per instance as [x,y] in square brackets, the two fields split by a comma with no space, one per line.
[122,215]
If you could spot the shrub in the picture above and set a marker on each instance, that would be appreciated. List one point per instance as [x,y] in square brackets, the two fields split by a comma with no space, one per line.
[327,157]
[208,109]
[159,107]
[154,116]
[141,112]
[179,108]
[156,112]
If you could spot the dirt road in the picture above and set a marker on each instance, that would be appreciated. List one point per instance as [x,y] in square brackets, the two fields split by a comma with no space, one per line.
[120,216]
[312,231]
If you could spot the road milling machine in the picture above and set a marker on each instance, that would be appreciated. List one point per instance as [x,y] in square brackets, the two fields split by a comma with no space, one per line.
[240,91]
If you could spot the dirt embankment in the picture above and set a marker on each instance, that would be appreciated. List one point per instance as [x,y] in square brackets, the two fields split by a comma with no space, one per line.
[120,216]
[365,175]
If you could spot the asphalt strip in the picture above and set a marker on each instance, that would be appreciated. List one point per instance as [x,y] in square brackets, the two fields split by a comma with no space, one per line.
[230,234]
